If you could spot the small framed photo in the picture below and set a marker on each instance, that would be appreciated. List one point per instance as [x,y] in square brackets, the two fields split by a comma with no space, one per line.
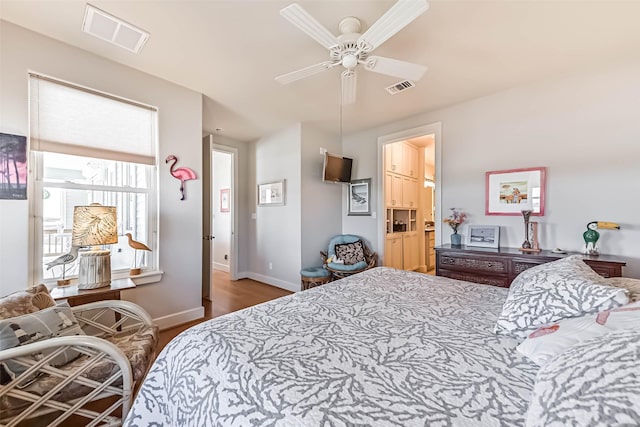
[487,236]
[271,194]
[360,197]
[509,192]
[224,200]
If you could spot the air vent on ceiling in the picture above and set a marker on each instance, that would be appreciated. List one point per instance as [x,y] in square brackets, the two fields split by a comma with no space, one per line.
[399,87]
[112,29]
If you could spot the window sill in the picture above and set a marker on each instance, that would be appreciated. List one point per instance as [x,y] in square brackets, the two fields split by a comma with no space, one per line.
[143,278]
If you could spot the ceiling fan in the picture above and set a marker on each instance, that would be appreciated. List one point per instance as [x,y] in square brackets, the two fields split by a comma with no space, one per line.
[351,48]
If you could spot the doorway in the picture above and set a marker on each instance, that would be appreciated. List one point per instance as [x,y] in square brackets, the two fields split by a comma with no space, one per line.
[410,197]
[220,213]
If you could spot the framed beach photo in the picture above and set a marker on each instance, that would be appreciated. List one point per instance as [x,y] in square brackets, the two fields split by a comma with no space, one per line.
[487,236]
[271,194]
[359,197]
[509,192]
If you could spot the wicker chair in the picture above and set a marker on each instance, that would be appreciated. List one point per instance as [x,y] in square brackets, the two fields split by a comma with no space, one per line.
[114,355]
[340,270]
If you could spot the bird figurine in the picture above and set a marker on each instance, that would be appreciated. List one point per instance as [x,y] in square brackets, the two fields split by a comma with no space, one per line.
[183,174]
[63,260]
[136,247]
[591,236]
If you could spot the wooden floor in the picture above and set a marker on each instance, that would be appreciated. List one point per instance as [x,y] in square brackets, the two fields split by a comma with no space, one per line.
[227,297]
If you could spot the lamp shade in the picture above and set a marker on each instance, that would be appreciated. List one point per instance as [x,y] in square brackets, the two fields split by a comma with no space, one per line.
[94,225]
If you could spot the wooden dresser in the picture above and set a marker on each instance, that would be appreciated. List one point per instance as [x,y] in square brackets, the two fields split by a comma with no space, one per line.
[498,267]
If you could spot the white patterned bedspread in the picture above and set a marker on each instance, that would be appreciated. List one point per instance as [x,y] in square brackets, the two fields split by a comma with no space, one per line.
[381,348]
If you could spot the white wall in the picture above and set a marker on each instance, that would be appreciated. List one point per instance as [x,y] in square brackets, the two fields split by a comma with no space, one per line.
[276,230]
[321,201]
[180,128]
[583,128]
[221,220]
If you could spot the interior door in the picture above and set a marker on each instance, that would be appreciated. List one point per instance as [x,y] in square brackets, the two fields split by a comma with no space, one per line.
[206,217]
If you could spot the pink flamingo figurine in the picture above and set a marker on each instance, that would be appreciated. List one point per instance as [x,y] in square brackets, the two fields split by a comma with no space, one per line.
[183,174]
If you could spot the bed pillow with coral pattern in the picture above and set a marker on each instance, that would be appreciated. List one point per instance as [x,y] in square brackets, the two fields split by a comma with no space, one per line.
[594,383]
[553,291]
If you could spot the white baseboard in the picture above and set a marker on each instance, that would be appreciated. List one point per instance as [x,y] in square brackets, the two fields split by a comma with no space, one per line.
[175,319]
[220,266]
[293,287]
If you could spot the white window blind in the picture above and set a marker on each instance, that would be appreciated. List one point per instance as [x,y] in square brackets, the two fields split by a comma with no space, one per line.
[69,119]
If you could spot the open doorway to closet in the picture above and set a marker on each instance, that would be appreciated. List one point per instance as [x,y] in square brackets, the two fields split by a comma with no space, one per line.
[410,198]
[220,215]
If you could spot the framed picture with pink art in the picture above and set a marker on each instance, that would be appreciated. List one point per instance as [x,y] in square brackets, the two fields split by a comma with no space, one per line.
[224,200]
[509,192]
[13,167]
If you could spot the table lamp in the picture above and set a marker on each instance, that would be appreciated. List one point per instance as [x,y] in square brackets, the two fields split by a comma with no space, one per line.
[94,225]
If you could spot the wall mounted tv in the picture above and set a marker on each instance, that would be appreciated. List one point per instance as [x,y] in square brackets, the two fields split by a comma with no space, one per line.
[336,168]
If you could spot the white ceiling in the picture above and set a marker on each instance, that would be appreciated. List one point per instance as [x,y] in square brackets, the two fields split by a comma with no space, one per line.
[230,50]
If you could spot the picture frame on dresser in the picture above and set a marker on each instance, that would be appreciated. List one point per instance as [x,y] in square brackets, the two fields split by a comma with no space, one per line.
[486,236]
[509,192]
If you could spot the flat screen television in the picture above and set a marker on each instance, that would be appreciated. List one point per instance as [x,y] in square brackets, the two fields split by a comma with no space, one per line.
[336,168]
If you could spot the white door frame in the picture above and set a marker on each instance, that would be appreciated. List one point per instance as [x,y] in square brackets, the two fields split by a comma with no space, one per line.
[430,129]
[233,262]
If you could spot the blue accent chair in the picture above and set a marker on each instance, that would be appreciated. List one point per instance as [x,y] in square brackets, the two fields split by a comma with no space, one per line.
[339,271]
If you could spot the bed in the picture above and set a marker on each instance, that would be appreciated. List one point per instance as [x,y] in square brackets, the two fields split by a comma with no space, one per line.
[381,348]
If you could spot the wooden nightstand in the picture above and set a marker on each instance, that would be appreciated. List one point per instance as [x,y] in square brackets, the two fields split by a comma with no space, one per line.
[75,296]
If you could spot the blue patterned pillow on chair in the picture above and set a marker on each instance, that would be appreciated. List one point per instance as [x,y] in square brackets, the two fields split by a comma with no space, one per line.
[350,253]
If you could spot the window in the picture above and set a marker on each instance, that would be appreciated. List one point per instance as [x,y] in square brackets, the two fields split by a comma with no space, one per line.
[88,147]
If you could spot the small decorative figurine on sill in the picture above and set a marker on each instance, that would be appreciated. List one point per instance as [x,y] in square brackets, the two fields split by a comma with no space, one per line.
[591,236]
[63,260]
[136,247]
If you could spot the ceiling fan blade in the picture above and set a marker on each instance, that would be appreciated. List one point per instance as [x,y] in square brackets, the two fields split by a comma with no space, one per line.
[395,19]
[305,72]
[349,78]
[394,67]
[299,17]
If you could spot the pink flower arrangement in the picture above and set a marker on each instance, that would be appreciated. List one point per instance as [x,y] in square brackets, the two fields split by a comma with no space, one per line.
[455,219]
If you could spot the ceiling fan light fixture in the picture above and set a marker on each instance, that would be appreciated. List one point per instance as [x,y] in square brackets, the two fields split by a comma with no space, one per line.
[349,61]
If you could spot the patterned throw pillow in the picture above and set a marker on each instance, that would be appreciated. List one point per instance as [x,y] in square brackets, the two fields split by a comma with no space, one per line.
[44,324]
[632,285]
[350,253]
[594,383]
[554,291]
[551,340]
[25,302]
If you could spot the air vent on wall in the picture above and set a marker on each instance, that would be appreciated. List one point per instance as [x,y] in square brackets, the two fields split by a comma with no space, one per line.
[399,87]
[112,29]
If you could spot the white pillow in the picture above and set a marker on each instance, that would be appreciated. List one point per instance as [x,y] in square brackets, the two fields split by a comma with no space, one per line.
[632,285]
[556,290]
[552,340]
[594,383]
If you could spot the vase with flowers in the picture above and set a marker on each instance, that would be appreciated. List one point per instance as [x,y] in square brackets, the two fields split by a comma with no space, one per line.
[454,220]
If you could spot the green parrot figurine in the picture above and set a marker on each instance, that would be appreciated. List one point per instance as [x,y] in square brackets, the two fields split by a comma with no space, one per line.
[591,236]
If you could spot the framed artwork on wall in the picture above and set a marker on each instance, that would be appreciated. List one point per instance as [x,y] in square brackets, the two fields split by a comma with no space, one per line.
[509,192]
[13,167]
[360,197]
[224,200]
[271,193]
[487,236]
